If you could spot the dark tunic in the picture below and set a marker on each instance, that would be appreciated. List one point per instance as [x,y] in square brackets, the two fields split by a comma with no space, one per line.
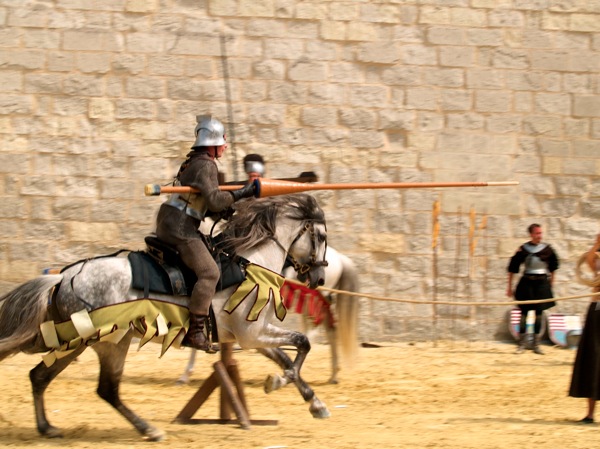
[534,286]
[179,229]
[201,172]
[585,380]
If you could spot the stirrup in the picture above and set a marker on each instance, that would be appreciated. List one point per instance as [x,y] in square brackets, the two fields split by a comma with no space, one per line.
[212,348]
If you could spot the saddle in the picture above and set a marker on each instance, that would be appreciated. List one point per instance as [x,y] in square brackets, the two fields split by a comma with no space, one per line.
[160,269]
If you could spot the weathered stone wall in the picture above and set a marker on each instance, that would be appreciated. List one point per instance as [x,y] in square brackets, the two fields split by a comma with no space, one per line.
[99,98]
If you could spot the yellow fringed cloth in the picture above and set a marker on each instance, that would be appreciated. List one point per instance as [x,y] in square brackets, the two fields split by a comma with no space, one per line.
[152,320]
[267,284]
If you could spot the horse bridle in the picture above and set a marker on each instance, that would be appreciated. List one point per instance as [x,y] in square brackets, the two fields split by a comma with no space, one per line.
[303,268]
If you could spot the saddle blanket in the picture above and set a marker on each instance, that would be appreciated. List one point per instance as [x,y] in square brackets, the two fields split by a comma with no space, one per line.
[150,275]
[267,285]
[151,319]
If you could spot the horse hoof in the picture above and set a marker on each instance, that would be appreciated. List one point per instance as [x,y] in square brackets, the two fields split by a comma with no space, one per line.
[318,409]
[320,413]
[51,432]
[333,381]
[273,382]
[154,434]
[182,381]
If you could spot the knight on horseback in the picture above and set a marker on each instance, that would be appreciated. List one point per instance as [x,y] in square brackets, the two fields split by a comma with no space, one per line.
[179,218]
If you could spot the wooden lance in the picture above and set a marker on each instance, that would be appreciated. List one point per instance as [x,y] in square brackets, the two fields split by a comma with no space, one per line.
[272,187]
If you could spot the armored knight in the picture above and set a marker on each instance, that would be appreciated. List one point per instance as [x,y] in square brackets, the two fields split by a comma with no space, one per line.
[178,220]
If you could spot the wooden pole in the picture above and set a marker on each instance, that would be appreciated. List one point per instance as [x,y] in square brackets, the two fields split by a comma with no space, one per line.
[272,187]
[434,271]
[471,271]
[483,229]
[456,271]
[225,375]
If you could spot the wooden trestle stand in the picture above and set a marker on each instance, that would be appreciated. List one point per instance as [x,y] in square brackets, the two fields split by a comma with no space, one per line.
[225,375]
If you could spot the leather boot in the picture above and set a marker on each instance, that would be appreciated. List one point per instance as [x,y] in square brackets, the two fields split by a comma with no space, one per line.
[195,337]
[522,344]
[536,346]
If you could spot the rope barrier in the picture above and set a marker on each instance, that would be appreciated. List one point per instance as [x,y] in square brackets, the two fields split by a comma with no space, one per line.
[457,303]
[595,282]
[450,303]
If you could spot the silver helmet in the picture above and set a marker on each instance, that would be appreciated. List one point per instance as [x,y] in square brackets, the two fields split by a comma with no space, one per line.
[254,163]
[209,132]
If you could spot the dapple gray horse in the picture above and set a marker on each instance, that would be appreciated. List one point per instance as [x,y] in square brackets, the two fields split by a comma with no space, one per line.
[265,232]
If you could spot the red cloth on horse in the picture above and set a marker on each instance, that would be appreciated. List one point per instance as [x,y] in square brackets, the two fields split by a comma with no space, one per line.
[317,307]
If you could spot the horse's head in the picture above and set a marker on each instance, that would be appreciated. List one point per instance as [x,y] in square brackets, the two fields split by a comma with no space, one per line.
[295,223]
[307,253]
[302,225]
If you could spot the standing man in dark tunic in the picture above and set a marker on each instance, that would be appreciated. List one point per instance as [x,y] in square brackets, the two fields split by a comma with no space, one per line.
[540,262]
[179,218]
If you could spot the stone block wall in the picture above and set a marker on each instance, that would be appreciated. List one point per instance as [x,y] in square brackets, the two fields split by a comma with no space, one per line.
[98,99]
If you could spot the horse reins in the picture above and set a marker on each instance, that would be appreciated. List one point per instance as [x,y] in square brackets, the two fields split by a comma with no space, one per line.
[303,268]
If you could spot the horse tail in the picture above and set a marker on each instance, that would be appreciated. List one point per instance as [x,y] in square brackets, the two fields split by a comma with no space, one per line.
[22,310]
[347,307]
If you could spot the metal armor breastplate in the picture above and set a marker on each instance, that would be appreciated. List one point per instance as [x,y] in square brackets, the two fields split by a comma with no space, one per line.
[533,264]
[193,204]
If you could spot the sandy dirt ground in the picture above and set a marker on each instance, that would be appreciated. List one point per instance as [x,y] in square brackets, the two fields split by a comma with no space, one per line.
[451,395]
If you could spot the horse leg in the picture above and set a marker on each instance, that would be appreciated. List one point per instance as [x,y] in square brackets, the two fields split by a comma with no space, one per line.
[112,361]
[40,378]
[331,332]
[292,374]
[275,382]
[189,369]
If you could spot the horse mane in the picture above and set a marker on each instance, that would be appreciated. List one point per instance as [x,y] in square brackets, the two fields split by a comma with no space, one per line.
[255,220]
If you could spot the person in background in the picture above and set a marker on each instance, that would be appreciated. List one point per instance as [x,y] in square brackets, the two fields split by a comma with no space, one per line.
[179,219]
[254,166]
[540,262]
[585,379]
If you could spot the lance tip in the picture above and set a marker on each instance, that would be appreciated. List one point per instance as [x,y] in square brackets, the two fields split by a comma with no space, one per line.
[503,183]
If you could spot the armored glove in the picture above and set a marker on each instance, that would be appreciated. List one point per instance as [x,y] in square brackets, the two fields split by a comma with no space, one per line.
[245,192]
